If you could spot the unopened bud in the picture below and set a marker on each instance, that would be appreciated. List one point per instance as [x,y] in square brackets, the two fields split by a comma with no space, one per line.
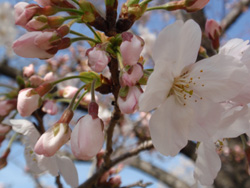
[3,158]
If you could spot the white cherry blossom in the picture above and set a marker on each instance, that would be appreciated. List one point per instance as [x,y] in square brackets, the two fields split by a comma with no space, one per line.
[235,122]
[39,163]
[183,92]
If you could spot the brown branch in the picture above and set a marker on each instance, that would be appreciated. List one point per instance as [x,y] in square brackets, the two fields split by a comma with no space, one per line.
[113,66]
[92,180]
[7,70]
[137,184]
[58,182]
[163,176]
[234,14]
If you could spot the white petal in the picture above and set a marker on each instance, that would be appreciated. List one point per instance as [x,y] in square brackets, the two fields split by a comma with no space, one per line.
[68,170]
[190,41]
[26,128]
[165,50]
[234,47]
[157,89]
[218,78]
[234,123]
[207,164]
[169,125]
[31,160]
[48,164]
[207,115]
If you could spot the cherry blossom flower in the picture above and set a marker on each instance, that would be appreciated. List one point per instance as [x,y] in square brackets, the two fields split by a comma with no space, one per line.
[235,122]
[6,106]
[38,163]
[183,91]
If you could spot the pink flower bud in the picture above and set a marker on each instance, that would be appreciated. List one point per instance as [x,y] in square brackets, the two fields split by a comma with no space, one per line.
[37,23]
[131,48]
[3,158]
[60,3]
[50,77]
[28,71]
[33,44]
[132,76]
[53,139]
[24,12]
[213,31]
[50,107]
[28,101]
[69,92]
[195,5]
[129,104]
[98,59]
[6,106]
[87,137]
[36,80]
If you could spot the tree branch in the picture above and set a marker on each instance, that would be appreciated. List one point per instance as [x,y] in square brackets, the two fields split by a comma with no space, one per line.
[92,180]
[234,13]
[163,176]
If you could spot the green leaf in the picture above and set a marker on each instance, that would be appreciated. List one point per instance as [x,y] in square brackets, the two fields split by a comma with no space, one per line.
[89,76]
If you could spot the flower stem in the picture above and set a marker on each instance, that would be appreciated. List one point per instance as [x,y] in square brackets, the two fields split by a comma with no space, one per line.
[66,78]
[93,31]
[83,38]
[76,2]
[12,140]
[70,10]
[170,6]
[144,2]
[79,100]
[74,98]
[119,58]
[93,91]
[76,33]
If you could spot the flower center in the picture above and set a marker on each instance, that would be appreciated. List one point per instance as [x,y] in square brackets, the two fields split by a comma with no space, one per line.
[183,86]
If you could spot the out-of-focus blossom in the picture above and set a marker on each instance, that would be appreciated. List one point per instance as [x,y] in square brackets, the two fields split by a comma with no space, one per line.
[38,163]
[50,77]
[129,104]
[36,80]
[68,92]
[7,29]
[50,107]
[28,71]
[98,58]
[131,48]
[6,106]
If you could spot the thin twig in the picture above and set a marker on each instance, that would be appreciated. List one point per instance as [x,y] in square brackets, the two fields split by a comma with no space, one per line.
[138,184]
[92,180]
